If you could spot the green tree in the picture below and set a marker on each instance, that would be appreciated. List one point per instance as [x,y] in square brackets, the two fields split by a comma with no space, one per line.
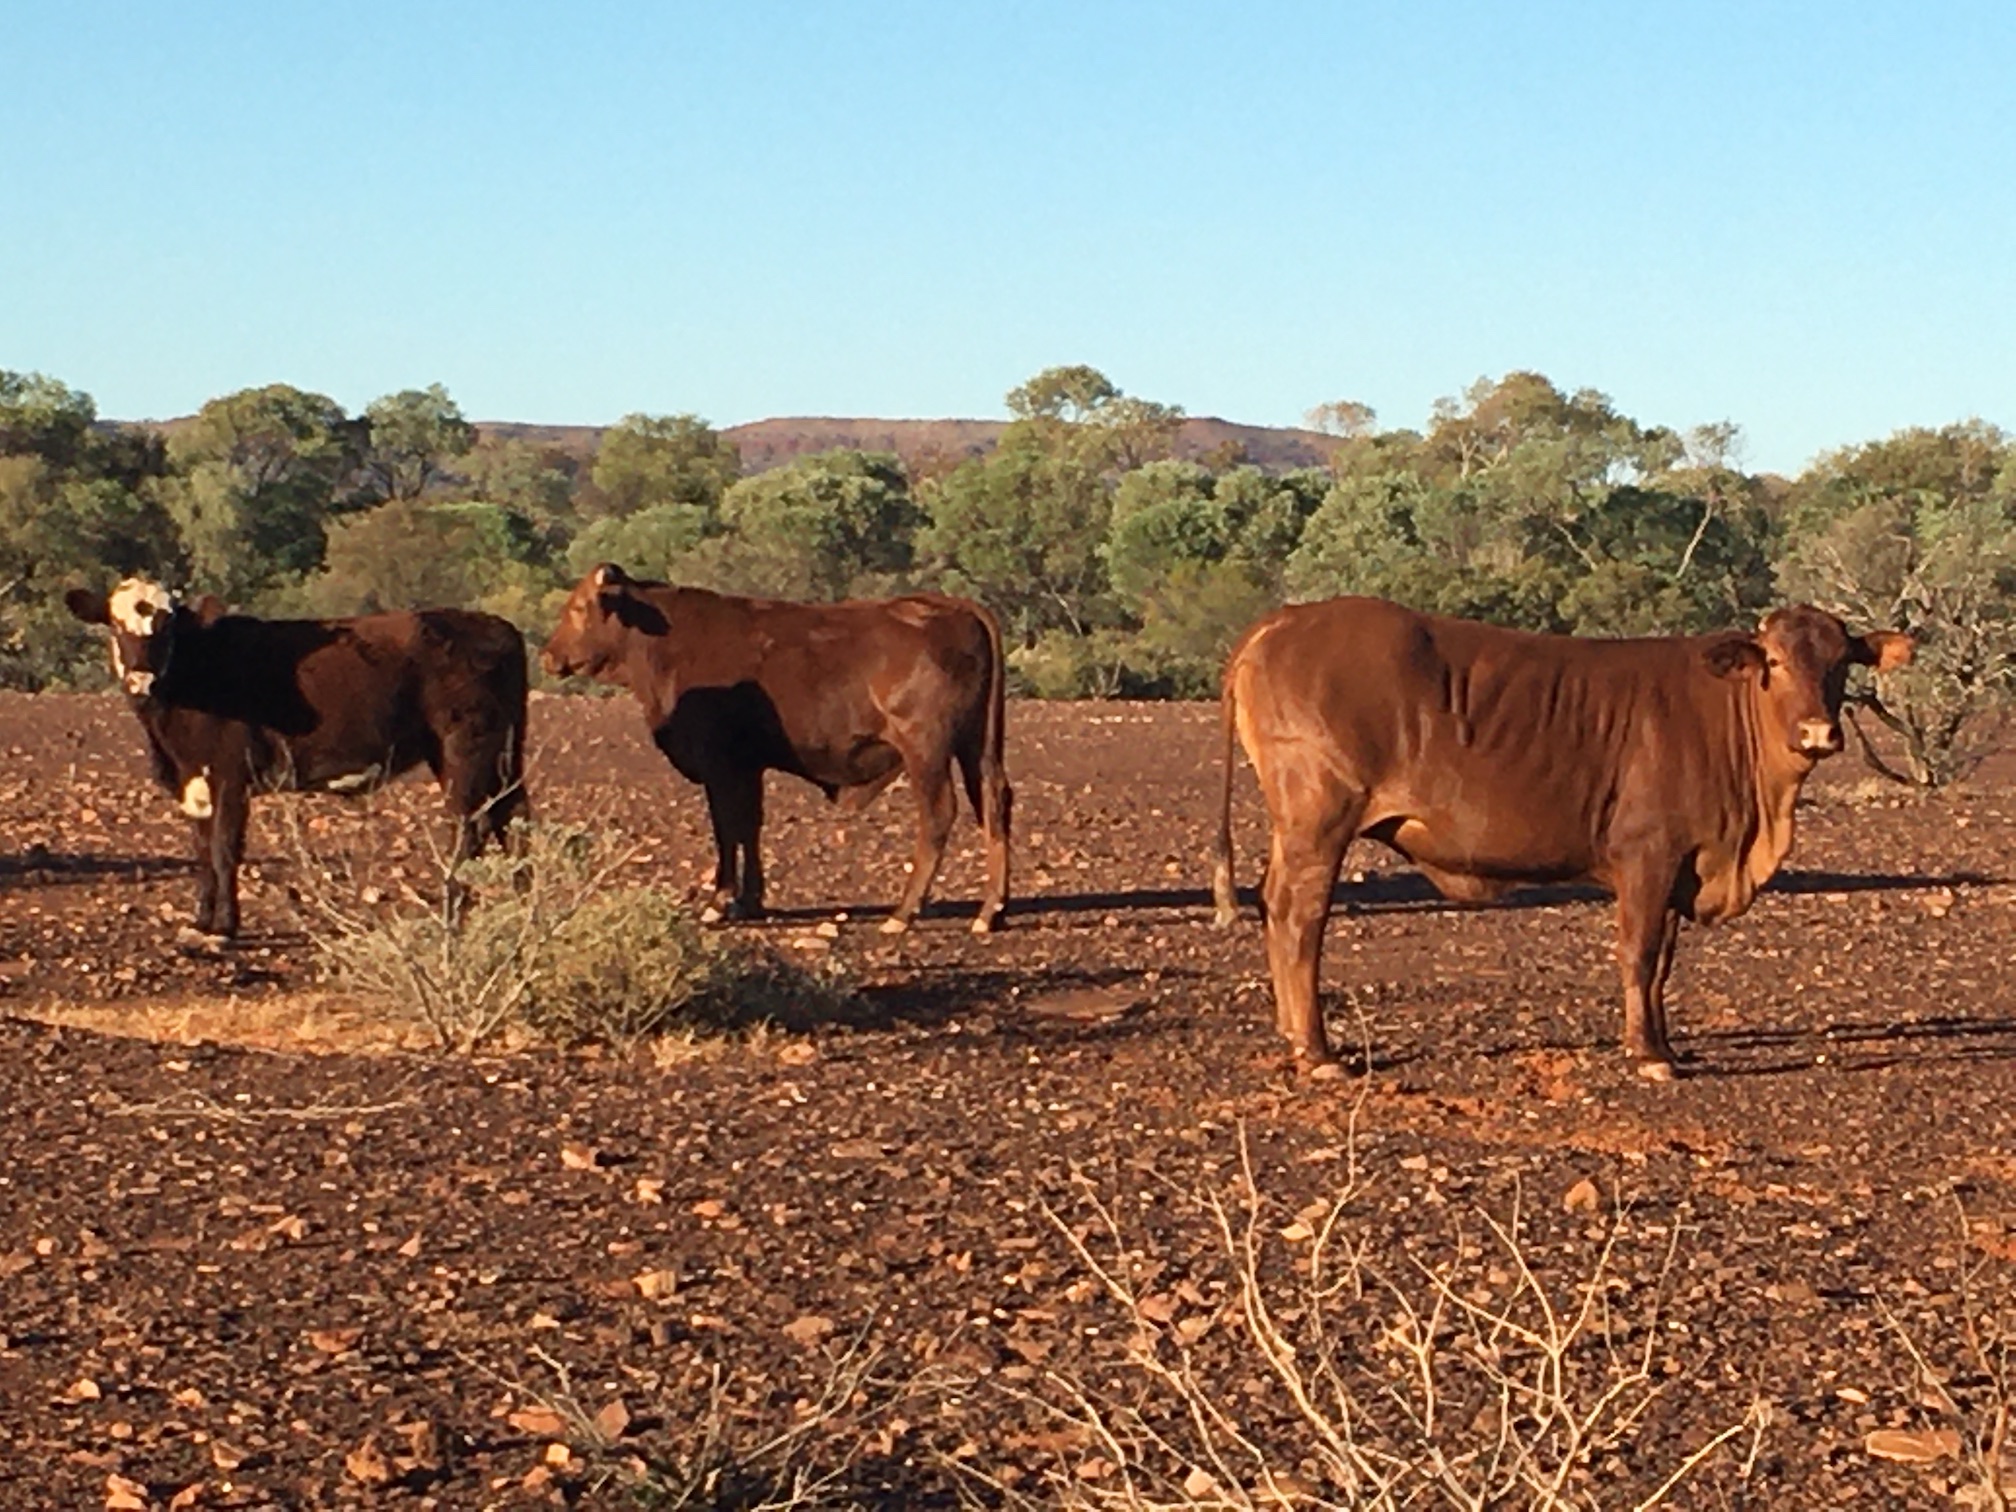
[655,543]
[78,504]
[1348,418]
[1164,514]
[1025,527]
[1918,533]
[650,461]
[1022,530]
[1080,409]
[42,417]
[414,435]
[536,481]
[1438,547]
[823,526]
[411,554]
[260,474]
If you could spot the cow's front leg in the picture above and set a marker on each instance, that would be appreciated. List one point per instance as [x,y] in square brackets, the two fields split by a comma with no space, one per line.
[735,808]
[209,886]
[1647,927]
[937,807]
[219,814]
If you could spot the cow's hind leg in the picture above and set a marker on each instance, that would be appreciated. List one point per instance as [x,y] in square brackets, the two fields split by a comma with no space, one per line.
[1647,927]
[735,808]
[937,806]
[993,803]
[481,783]
[1311,831]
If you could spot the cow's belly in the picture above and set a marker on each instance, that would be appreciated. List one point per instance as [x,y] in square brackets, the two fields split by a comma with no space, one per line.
[316,770]
[859,762]
[1475,861]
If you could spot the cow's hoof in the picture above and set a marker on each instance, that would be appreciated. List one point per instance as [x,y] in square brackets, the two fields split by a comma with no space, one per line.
[711,915]
[986,923]
[1656,1070]
[1324,1071]
[895,924]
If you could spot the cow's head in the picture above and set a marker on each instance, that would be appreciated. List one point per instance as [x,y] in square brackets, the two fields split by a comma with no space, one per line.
[1798,661]
[592,636]
[141,616]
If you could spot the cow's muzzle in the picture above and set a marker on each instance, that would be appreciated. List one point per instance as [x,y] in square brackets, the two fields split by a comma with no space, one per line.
[1819,737]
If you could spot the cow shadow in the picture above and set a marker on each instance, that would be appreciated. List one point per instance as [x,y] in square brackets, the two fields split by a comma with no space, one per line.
[1410,892]
[1855,1048]
[40,867]
[1852,1048]
[993,1005]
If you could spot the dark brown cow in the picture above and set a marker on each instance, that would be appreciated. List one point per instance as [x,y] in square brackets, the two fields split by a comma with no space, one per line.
[1665,770]
[233,705]
[847,696]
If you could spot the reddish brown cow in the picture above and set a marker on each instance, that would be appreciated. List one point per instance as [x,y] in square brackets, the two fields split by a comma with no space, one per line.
[847,696]
[1665,770]
[232,705]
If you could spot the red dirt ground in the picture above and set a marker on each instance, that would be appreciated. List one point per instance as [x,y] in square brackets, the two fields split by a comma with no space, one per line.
[296,1276]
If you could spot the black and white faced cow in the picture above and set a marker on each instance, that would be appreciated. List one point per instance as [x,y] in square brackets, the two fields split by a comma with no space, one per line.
[231,705]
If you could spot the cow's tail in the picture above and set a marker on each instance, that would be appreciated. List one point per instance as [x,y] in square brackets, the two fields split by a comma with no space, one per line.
[1223,895]
[997,798]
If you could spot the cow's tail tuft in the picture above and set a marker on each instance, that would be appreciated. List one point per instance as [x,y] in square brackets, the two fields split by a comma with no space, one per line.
[1223,895]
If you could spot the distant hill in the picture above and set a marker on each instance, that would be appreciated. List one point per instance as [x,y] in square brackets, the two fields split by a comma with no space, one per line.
[769,443]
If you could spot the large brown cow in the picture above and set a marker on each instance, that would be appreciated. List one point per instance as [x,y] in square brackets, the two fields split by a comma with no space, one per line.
[847,696]
[1665,770]
[232,705]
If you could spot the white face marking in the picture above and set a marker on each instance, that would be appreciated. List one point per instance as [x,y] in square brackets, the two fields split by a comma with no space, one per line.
[196,799]
[136,604]
[136,608]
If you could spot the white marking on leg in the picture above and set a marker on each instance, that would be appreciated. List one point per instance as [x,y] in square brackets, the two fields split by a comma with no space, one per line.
[355,782]
[197,801]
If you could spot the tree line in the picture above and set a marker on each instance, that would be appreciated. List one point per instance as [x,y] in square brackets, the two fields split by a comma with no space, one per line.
[1118,569]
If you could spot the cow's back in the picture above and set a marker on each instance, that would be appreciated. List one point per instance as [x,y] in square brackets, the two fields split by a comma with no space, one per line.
[826,664]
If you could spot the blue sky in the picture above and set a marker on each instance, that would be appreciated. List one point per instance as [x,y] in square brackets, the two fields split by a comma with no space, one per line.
[1800,217]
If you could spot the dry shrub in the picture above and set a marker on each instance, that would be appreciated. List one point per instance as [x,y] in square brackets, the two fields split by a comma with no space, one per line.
[705,1449]
[545,939]
[1963,1372]
[1318,1368]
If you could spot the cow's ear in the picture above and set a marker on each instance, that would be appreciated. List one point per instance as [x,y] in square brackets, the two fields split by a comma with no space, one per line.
[209,609]
[1885,650]
[88,606]
[1733,655]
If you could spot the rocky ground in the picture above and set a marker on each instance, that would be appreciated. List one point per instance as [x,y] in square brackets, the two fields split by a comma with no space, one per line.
[1034,1224]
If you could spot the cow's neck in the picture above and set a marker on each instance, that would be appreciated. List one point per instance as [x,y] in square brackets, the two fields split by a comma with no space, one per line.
[1775,779]
[209,675]
[649,676]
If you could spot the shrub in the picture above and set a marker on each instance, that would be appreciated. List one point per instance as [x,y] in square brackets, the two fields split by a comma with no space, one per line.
[1444,1371]
[543,940]
[1918,533]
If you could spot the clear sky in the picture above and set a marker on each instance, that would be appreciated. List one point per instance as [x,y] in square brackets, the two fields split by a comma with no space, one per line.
[1800,217]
